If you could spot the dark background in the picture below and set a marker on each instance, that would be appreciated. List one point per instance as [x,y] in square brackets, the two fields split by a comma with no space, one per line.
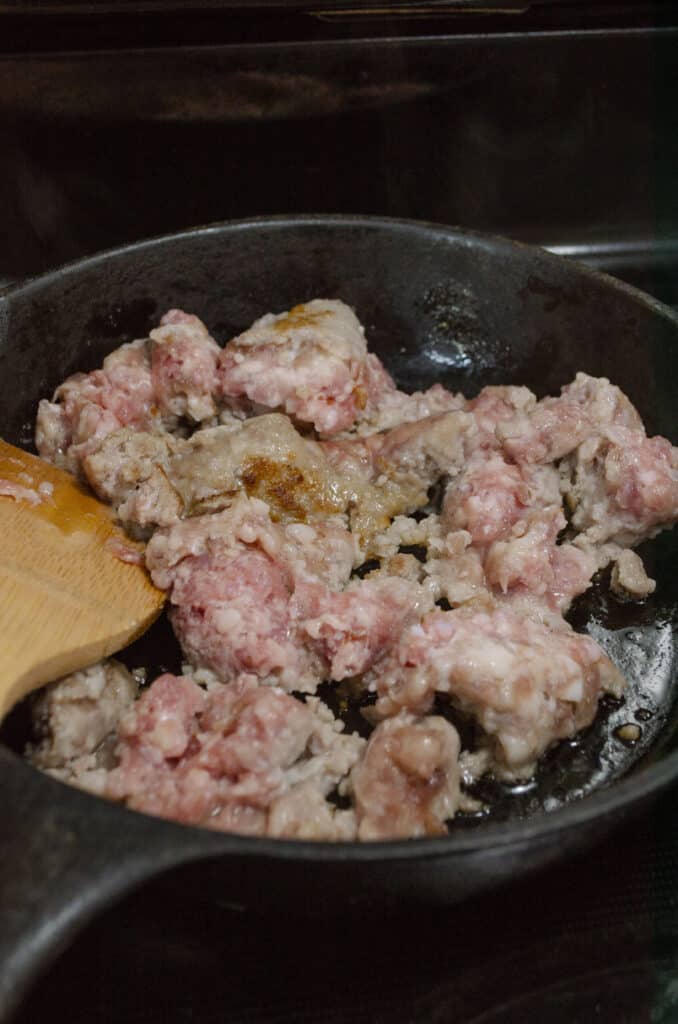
[556,125]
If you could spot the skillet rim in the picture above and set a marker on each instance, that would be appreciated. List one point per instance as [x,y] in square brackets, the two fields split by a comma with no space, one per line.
[339,219]
[620,795]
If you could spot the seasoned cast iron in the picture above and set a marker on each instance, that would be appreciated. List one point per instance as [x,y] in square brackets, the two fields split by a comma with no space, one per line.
[438,304]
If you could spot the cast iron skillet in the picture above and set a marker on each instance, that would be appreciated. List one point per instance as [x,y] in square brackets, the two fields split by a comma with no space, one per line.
[439,304]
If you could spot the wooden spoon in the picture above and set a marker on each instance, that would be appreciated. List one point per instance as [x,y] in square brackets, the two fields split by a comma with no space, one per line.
[67,598]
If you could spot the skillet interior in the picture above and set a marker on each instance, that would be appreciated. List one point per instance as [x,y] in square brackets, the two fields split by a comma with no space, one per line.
[438,305]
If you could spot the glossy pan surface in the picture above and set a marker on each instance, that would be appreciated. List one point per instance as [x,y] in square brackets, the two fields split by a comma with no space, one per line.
[438,304]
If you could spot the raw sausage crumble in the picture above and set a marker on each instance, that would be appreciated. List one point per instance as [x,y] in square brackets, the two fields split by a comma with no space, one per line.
[282,484]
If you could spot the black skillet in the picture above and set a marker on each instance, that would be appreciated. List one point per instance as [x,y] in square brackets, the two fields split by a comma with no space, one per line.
[438,304]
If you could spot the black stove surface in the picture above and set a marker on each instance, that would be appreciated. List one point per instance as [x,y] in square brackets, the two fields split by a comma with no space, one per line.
[593,939]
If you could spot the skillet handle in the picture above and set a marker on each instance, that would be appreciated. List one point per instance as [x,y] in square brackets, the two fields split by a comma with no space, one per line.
[63,856]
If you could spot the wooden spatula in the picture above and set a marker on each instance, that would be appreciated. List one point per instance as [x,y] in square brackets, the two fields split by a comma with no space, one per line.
[66,596]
